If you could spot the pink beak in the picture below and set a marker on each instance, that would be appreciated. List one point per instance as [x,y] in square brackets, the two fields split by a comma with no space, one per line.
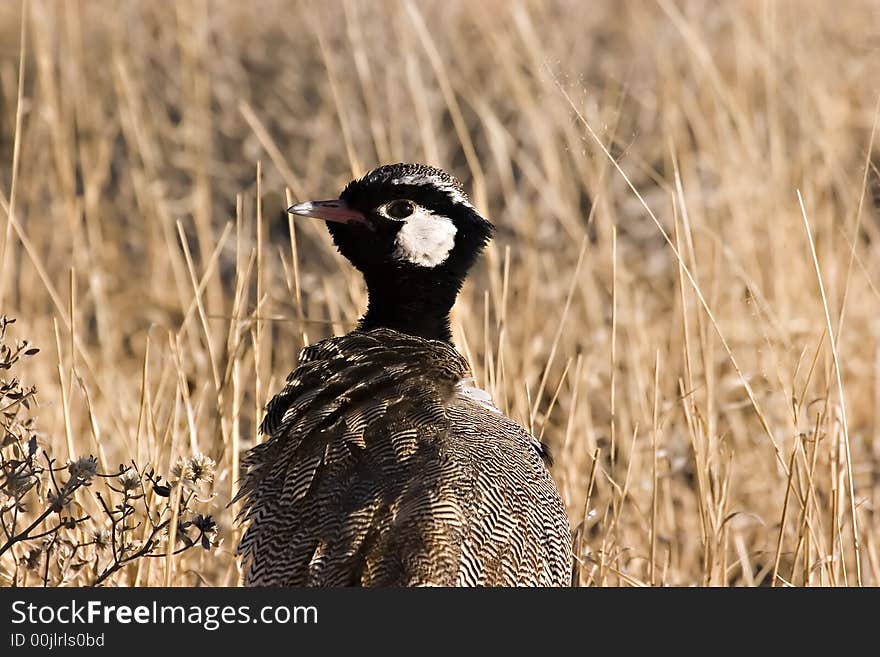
[332,210]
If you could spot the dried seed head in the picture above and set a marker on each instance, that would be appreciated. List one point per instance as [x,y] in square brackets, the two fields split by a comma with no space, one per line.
[31,560]
[101,539]
[60,500]
[83,469]
[18,482]
[130,479]
[201,469]
[178,471]
[197,469]
[208,529]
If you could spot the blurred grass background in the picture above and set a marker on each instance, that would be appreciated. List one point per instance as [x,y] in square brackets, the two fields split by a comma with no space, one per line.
[705,431]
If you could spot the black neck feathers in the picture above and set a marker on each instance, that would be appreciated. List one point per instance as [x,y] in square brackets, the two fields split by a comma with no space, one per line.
[413,303]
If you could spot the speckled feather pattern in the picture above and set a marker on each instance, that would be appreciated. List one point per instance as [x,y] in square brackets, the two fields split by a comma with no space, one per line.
[376,471]
[405,173]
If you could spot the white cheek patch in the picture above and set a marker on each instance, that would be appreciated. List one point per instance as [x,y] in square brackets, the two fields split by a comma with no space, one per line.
[425,239]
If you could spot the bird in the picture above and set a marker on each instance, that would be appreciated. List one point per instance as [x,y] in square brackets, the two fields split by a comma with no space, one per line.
[383,463]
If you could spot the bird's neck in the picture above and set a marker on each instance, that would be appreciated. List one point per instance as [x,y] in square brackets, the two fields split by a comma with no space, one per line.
[412,304]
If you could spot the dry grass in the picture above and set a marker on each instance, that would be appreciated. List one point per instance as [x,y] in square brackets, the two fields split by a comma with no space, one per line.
[701,351]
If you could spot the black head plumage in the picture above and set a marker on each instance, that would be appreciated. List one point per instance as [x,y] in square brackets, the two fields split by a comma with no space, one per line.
[414,234]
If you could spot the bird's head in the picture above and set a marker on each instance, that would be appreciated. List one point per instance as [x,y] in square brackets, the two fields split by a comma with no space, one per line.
[411,230]
[403,217]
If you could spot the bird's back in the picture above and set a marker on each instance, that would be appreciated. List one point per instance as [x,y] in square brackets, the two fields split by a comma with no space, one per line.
[380,469]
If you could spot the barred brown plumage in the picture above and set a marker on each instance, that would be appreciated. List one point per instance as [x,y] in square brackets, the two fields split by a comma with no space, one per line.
[380,468]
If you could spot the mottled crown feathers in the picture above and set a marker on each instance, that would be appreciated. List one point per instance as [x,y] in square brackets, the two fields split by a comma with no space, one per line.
[413,174]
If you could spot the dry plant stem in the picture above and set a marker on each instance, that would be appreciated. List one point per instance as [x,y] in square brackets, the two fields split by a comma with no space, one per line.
[655,428]
[612,387]
[844,423]
[16,148]
[853,243]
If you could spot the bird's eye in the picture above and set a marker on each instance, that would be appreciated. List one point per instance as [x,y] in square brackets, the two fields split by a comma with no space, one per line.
[400,209]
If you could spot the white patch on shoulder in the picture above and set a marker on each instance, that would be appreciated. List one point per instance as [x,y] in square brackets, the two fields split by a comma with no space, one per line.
[466,388]
[425,239]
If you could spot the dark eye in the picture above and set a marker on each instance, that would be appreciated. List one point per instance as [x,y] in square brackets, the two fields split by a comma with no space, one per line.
[400,209]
